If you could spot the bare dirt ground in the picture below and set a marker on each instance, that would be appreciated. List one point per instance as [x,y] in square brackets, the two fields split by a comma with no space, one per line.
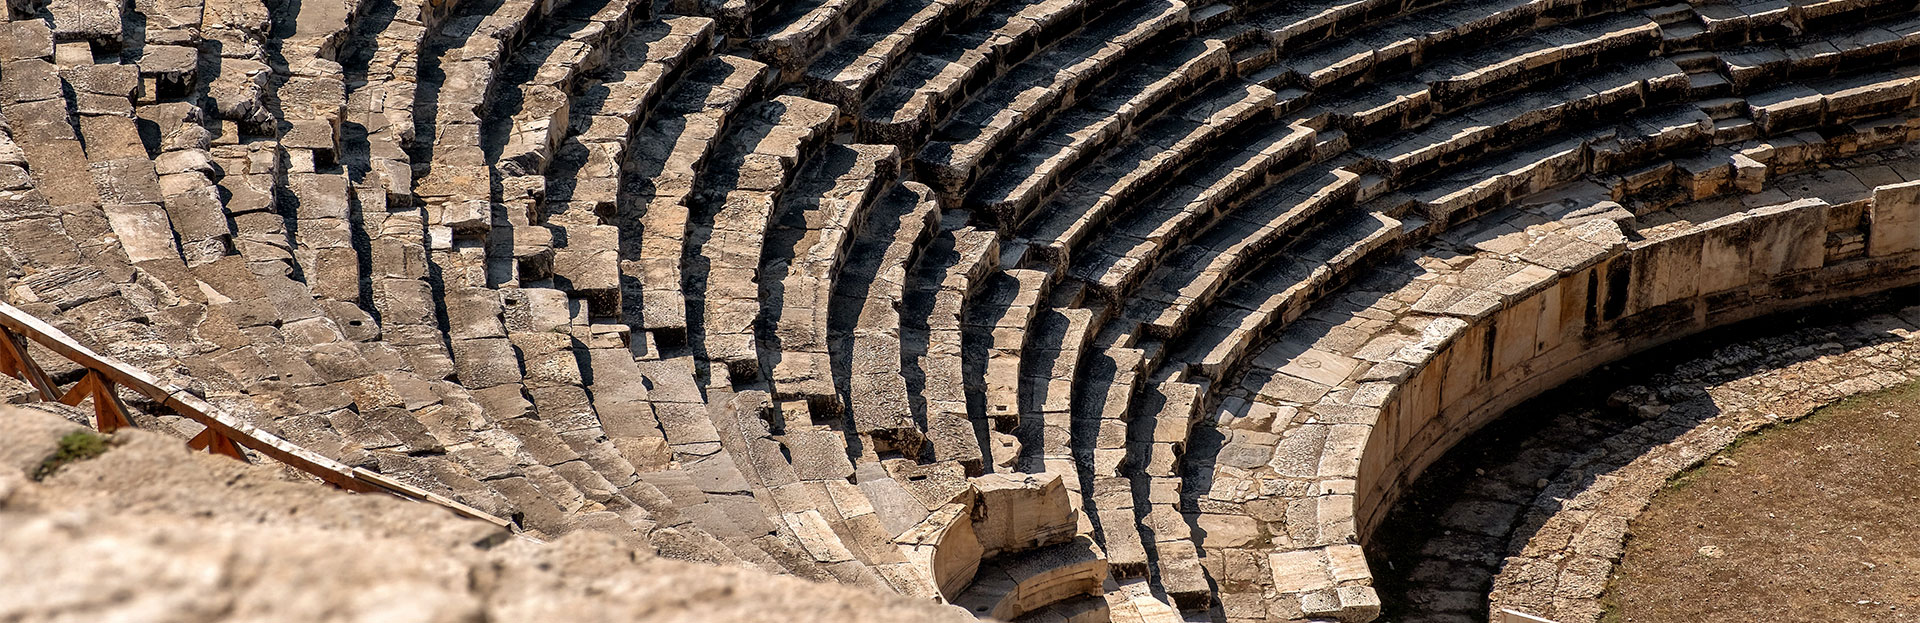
[1818,520]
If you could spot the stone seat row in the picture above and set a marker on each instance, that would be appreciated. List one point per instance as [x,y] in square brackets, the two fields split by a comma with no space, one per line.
[1160,460]
[1197,270]
[1031,93]
[1465,290]
[1122,111]
[541,77]
[952,270]
[805,30]
[556,229]
[750,176]
[1136,169]
[1820,55]
[1407,32]
[1455,80]
[467,52]
[658,181]
[1130,250]
[1730,25]
[855,68]
[544,481]
[1254,302]
[473,310]
[806,254]
[1104,263]
[1290,393]
[930,86]
[581,185]
[1580,48]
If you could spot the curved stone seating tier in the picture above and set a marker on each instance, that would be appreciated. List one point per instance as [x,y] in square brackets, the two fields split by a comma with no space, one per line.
[540,79]
[380,70]
[1333,369]
[1133,171]
[1411,109]
[1126,252]
[928,87]
[465,54]
[865,324]
[952,271]
[997,321]
[572,230]
[611,108]
[730,215]
[1725,26]
[803,259]
[1196,275]
[852,70]
[807,29]
[1011,193]
[1860,45]
[658,181]
[1029,94]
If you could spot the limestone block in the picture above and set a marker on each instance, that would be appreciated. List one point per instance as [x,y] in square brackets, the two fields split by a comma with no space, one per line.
[1725,254]
[1300,571]
[143,229]
[944,545]
[1022,511]
[817,536]
[1789,237]
[1018,584]
[1665,272]
[1894,220]
[28,38]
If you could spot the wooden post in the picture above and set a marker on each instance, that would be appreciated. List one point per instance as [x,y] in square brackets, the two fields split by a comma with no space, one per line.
[109,414]
[14,351]
[215,443]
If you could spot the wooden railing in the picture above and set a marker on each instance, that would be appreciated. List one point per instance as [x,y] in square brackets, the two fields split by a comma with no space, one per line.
[224,434]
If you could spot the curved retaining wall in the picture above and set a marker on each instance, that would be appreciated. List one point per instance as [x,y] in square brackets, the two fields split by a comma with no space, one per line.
[1600,297]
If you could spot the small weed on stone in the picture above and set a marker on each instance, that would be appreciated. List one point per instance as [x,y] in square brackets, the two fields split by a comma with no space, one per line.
[74,447]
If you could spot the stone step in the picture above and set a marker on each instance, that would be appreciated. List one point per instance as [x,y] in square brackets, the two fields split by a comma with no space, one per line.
[661,174]
[866,323]
[929,87]
[730,215]
[804,256]
[1020,101]
[853,69]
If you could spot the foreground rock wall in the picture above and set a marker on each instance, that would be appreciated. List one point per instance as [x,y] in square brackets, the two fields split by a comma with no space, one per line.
[149,532]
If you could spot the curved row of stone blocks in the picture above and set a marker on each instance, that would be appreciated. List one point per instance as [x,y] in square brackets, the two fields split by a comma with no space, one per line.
[1052,308]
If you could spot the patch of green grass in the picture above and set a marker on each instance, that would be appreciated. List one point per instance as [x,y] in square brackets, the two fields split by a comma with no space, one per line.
[76,446]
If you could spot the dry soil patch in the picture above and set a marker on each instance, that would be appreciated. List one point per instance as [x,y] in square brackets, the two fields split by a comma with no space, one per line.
[1818,520]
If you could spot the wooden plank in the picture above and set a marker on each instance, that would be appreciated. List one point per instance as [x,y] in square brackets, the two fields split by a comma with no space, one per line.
[80,392]
[223,432]
[1514,616]
[109,413]
[409,491]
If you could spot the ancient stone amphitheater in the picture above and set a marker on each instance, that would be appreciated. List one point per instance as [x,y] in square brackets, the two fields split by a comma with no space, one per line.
[1140,310]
